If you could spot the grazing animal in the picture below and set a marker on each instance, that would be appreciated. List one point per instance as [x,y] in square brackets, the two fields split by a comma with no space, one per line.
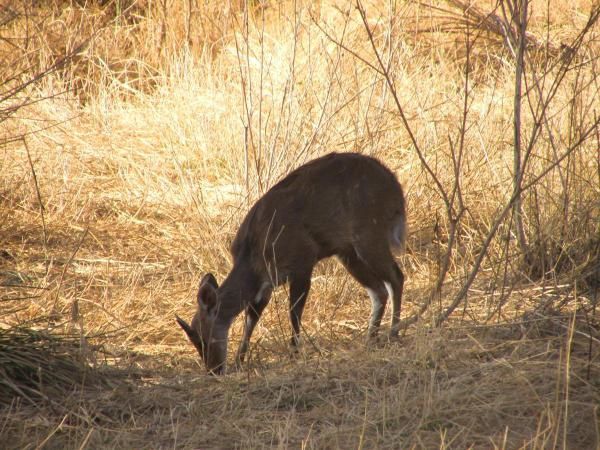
[345,204]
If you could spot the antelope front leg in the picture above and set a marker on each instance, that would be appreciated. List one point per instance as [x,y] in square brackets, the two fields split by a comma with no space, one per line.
[253,313]
[299,287]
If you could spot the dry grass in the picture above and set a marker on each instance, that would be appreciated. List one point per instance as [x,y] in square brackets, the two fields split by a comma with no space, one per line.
[146,169]
[529,384]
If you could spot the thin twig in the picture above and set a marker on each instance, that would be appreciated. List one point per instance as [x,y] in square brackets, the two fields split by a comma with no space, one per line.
[39,198]
[66,266]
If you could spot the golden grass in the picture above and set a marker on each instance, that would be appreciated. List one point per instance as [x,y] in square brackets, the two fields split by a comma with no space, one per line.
[528,385]
[145,174]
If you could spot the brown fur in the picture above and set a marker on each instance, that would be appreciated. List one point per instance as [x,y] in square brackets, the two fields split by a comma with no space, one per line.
[347,205]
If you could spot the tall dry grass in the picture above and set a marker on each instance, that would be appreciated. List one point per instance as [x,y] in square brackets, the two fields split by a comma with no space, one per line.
[129,163]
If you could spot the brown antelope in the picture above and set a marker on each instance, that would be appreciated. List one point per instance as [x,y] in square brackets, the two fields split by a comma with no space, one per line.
[348,205]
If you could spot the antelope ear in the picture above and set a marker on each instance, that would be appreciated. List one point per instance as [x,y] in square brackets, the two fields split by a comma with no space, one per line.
[207,296]
[191,333]
[210,279]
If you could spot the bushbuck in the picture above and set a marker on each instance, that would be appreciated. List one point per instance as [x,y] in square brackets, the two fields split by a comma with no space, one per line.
[346,204]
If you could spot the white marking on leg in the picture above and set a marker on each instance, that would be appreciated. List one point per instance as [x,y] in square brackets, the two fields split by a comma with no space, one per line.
[375,300]
[388,286]
[376,311]
[395,321]
[261,292]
